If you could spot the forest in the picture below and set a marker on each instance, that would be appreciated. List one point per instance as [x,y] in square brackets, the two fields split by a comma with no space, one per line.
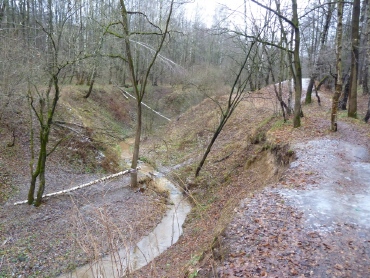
[94,88]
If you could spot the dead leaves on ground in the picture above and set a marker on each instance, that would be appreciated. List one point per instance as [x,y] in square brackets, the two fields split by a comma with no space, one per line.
[267,238]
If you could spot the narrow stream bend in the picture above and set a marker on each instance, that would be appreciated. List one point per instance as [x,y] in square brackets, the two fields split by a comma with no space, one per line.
[166,233]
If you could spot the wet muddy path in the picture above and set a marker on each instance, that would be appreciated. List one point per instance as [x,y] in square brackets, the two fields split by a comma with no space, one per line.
[314,223]
[129,258]
[340,187]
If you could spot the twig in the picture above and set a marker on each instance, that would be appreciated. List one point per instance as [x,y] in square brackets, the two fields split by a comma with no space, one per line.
[224,158]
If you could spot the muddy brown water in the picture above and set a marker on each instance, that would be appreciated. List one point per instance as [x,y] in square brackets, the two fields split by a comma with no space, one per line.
[165,234]
[341,193]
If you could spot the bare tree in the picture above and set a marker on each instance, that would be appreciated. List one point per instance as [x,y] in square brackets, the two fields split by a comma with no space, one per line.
[44,103]
[235,96]
[297,69]
[321,49]
[365,84]
[352,103]
[140,76]
[338,76]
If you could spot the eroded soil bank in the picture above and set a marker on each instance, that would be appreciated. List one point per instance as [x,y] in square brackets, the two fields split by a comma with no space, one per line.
[314,223]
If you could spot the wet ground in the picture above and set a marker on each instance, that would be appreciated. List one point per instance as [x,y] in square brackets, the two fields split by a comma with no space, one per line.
[315,223]
[340,191]
[127,258]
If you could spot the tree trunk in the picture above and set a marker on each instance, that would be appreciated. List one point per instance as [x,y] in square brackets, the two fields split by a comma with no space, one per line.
[365,83]
[43,155]
[134,72]
[352,104]
[367,116]
[92,81]
[135,156]
[209,147]
[362,42]
[343,103]
[323,39]
[31,191]
[297,68]
[308,99]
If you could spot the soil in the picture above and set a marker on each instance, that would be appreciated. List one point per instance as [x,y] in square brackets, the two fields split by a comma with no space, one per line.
[256,226]
[72,229]
[315,221]
[253,215]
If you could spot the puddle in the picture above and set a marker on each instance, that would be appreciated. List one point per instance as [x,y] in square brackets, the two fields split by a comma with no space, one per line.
[341,193]
[165,234]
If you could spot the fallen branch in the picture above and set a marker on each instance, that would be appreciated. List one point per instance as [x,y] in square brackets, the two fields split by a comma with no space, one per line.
[156,112]
[224,158]
[83,185]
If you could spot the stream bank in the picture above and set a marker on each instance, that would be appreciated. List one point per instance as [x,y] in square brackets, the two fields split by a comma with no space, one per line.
[128,258]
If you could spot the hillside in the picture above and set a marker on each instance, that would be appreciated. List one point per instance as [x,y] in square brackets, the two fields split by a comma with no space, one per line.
[68,230]
[248,165]
[239,223]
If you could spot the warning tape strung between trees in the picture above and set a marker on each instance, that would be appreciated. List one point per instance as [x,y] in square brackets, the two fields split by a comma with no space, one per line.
[84,185]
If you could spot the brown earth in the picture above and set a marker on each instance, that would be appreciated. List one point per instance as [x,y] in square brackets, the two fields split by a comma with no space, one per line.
[75,228]
[69,230]
[235,195]
[236,229]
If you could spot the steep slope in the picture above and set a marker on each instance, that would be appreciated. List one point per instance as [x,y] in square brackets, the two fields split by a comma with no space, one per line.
[251,153]
[241,162]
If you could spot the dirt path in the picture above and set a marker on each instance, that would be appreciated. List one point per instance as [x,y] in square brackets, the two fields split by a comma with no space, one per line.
[72,229]
[315,223]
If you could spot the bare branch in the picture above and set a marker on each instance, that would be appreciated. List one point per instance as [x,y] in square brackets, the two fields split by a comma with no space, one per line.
[274,12]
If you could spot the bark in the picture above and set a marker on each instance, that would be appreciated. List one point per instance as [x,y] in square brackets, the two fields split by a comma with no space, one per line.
[322,82]
[209,147]
[297,68]
[41,189]
[278,91]
[309,90]
[135,156]
[363,40]
[367,116]
[45,127]
[343,102]
[92,81]
[352,104]
[317,95]
[80,186]
[134,72]
[365,83]
[134,81]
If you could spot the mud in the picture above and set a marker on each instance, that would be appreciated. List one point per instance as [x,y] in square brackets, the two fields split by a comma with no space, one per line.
[340,192]
[314,223]
[130,258]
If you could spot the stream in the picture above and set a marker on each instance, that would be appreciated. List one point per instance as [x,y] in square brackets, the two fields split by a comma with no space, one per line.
[165,234]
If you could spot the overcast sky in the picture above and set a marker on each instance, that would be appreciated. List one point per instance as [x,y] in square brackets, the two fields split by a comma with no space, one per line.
[206,8]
